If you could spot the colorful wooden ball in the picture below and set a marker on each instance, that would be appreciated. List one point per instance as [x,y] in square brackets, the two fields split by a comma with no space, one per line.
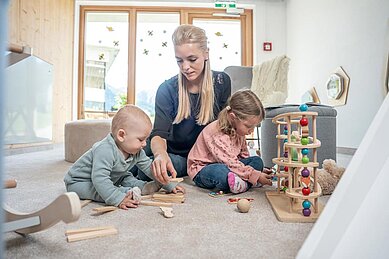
[306,212]
[306,181]
[304,121]
[306,191]
[286,127]
[304,141]
[286,154]
[285,132]
[305,172]
[305,151]
[303,107]
[305,160]
[286,168]
[285,140]
[306,204]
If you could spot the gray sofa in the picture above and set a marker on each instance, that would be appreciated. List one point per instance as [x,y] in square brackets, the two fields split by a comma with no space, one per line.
[241,78]
[325,125]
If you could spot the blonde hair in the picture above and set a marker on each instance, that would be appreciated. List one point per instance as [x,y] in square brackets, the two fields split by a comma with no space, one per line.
[191,34]
[244,104]
[128,116]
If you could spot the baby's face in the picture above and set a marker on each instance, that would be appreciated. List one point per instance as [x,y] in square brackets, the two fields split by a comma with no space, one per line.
[135,138]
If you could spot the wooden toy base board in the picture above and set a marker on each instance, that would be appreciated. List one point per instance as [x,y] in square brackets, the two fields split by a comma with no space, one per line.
[281,203]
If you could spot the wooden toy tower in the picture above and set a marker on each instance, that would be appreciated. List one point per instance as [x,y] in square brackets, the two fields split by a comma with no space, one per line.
[296,197]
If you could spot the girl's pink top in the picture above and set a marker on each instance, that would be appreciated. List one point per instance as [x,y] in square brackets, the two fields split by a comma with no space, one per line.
[214,146]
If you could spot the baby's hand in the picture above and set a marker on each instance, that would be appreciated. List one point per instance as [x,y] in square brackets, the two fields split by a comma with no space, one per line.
[128,202]
[178,189]
[265,179]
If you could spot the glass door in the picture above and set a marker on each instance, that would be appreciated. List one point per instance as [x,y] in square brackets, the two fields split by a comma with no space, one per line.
[155,61]
[106,63]
[224,42]
[126,52]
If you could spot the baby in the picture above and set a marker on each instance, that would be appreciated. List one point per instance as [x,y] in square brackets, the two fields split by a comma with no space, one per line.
[103,173]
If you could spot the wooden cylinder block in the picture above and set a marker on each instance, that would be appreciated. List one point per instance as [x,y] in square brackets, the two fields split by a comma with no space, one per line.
[305,131]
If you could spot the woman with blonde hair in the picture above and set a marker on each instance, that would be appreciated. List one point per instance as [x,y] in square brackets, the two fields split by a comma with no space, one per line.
[185,103]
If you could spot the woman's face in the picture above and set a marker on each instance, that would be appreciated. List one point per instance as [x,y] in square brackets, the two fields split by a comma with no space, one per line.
[190,59]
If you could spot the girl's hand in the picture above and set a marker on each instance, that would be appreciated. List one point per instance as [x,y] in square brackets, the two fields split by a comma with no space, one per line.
[267,170]
[265,179]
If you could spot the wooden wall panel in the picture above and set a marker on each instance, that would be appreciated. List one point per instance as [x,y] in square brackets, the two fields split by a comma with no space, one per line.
[13,21]
[47,27]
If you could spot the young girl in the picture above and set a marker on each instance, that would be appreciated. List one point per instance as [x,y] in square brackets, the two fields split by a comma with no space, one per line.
[219,159]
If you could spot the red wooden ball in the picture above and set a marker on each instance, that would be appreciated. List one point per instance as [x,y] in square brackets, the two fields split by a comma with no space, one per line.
[304,121]
[306,191]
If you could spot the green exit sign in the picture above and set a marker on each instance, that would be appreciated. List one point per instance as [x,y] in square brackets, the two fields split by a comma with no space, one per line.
[225,5]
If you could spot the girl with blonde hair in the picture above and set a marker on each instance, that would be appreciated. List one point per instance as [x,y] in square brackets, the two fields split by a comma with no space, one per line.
[220,159]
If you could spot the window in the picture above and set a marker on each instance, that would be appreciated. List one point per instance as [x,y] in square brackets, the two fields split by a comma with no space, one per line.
[126,52]
[154,50]
[105,62]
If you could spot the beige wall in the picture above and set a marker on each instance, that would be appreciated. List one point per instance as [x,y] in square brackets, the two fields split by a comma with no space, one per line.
[47,27]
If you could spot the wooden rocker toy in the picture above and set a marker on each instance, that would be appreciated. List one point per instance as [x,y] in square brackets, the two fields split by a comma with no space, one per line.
[66,208]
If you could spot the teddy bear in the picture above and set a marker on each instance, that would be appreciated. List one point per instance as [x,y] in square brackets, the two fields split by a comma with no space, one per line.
[329,176]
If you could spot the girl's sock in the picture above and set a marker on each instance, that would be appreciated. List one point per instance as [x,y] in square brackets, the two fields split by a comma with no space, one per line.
[237,185]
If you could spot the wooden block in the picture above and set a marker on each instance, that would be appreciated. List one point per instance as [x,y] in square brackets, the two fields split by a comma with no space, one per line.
[167,212]
[10,183]
[169,200]
[85,202]
[155,203]
[105,209]
[83,230]
[146,197]
[177,180]
[92,234]
[176,198]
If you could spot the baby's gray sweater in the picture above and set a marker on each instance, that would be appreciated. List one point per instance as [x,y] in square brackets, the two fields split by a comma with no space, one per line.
[104,165]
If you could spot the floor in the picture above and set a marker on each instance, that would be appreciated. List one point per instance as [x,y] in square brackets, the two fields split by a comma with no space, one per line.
[263,234]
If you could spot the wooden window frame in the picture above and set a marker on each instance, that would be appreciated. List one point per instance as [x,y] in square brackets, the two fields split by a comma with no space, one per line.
[186,17]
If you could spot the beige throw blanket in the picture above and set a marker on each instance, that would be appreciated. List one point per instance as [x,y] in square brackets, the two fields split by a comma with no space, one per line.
[270,81]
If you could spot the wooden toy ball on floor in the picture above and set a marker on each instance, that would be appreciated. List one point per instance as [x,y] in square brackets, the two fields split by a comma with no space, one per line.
[243,205]
[299,202]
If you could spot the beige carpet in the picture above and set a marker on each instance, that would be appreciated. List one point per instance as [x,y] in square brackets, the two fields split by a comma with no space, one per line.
[203,227]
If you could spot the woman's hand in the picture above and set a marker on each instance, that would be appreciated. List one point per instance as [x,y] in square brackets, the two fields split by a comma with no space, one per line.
[161,166]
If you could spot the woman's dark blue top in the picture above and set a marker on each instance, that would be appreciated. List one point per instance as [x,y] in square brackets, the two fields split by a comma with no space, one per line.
[181,137]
